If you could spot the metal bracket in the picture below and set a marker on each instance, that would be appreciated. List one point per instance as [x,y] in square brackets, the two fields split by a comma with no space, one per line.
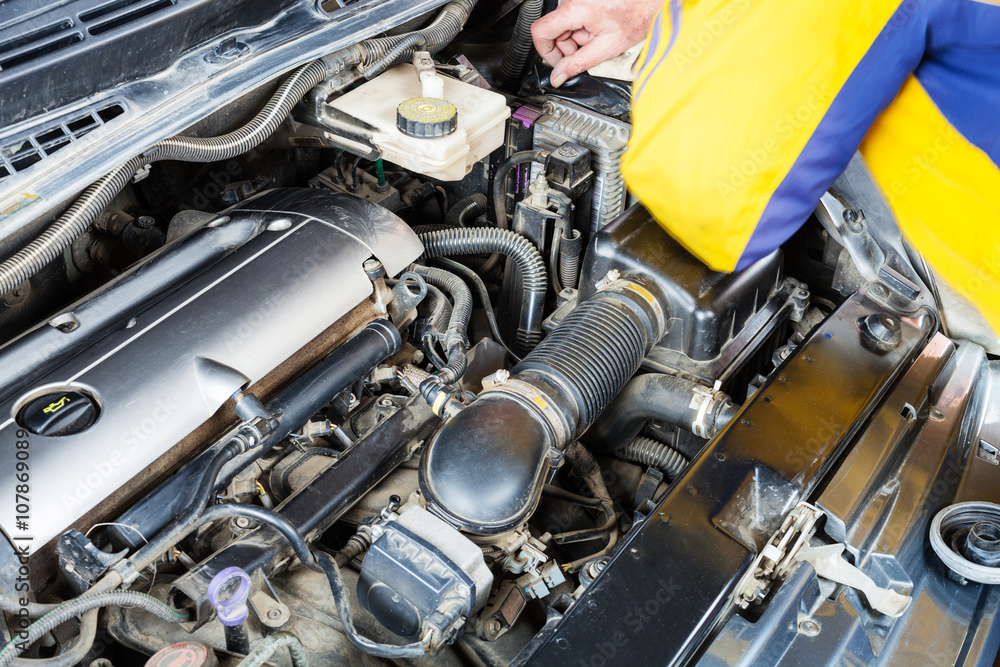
[829,563]
[265,603]
[790,546]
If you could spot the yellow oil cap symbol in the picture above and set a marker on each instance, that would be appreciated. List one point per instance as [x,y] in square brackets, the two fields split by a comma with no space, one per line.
[55,406]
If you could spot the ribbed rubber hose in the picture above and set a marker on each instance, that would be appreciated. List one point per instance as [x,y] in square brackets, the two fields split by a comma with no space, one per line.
[80,605]
[534,278]
[590,356]
[570,249]
[271,645]
[649,452]
[474,205]
[81,214]
[343,603]
[456,339]
[663,397]
[381,53]
[519,47]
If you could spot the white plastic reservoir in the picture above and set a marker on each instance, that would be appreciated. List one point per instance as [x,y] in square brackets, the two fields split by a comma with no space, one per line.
[481,116]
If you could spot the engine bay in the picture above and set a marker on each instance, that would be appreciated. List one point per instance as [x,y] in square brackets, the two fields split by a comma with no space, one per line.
[382,362]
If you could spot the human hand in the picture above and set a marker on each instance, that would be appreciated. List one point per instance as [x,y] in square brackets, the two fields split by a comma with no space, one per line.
[583,33]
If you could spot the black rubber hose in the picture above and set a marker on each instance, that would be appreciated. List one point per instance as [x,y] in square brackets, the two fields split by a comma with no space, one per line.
[590,356]
[237,639]
[343,602]
[649,452]
[176,532]
[469,208]
[519,47]
[572,375]
[500,181]
[529,262]
[484,297]
[456,339]
[206,487]
[663,397]
[570,249]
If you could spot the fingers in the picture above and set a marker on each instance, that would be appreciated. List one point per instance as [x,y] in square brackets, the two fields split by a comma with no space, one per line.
[595,51]
[553,28]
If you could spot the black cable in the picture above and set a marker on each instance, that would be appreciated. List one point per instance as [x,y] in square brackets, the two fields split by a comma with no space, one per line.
[342,600]
[484,297]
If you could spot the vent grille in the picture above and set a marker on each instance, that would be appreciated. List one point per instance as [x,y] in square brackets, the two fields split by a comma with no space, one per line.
[37,43]
[16,156]
[120,12]
[61,34]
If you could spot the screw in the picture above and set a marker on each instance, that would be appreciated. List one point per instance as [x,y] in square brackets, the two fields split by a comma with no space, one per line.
[936,414]
[242,522]
[494,626]
[373,268]
[880,291]
[634,552]
[809,628]
[274,614]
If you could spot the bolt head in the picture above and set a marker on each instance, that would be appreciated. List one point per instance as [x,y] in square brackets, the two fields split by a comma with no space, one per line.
[809,628]
[274,614]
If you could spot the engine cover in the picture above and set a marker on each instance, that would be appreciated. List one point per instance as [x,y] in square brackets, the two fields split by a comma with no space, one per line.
[158,371]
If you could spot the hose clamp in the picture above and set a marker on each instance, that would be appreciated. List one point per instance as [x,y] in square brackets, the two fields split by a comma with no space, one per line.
[702,400]
[540,403]
[637,294]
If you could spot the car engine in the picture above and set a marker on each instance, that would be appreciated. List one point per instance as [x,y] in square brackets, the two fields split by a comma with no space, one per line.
[380,361]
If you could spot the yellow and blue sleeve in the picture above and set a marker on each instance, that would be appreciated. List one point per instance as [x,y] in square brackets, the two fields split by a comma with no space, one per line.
[745,111]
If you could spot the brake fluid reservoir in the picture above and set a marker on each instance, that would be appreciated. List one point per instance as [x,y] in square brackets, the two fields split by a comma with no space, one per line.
[440,137]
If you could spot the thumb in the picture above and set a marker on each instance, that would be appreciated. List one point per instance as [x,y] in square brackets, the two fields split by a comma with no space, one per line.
[599,49]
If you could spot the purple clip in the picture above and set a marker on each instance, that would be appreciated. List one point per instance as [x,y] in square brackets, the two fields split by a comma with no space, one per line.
[228,592]
[527,114]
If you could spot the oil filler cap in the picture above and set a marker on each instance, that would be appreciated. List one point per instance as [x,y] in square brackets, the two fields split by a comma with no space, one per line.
[426,117]
[63,412]
[184,654]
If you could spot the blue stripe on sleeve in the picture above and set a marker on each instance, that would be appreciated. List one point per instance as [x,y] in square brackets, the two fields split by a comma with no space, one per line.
[868,90]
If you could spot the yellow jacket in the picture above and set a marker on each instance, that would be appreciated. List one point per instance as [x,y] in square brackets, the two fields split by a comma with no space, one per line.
[745,111]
